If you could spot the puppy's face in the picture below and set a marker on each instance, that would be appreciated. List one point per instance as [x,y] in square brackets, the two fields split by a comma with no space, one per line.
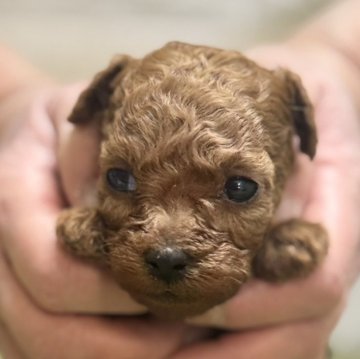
[186,200]
[195,153]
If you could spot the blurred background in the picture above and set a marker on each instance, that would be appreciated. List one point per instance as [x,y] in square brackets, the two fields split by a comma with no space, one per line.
[72,40]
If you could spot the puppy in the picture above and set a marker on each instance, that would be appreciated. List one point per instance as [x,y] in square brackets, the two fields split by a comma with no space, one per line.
[197,144]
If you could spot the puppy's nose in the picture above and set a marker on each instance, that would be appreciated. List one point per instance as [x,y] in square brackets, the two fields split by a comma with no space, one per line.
[168,264]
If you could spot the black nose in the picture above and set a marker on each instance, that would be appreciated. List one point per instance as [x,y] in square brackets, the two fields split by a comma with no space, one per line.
[168,264]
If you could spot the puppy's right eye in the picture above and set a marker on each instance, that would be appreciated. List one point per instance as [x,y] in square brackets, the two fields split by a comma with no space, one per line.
[121,180]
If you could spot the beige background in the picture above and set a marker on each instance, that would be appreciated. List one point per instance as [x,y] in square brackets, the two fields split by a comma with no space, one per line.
[74,39]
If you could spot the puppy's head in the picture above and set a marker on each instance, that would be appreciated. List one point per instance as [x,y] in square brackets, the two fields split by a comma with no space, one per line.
[197,145]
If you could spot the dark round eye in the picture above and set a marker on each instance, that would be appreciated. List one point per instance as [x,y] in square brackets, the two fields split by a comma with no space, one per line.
[121,180]
[240,189]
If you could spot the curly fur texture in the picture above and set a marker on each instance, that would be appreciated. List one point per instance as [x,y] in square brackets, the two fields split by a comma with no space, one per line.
[183,120]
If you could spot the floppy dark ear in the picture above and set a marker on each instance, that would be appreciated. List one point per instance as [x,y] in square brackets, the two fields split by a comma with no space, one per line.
[97,96]
[302,113]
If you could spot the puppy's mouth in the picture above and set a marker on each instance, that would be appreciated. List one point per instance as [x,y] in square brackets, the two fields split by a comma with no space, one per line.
[171,304]
[178,282]
[166,296]
[192,294]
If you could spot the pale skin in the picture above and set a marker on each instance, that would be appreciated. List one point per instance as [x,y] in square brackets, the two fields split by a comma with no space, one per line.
[42,287]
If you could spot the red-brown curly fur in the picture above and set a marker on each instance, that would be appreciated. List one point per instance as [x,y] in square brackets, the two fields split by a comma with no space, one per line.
[183,120]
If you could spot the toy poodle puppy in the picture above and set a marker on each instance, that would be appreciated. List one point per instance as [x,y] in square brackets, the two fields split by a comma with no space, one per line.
[197,144]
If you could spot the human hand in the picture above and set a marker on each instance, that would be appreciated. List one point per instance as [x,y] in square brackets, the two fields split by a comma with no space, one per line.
[294,320]
[31,200]
[42,287]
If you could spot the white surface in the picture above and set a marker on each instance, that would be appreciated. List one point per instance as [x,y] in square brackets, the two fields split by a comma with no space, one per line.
[74,39]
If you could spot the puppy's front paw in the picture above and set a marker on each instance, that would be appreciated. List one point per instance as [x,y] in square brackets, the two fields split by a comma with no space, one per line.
[291,249]
[79,229]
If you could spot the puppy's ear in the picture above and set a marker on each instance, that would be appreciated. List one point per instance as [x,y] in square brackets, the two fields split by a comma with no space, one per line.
[302,113]
[97,96]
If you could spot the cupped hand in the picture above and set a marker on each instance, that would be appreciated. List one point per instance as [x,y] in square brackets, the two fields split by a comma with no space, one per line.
[42,288]
[31,198]
[294,320]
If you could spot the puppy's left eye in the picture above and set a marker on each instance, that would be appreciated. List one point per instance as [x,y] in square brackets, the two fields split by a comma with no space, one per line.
[121,180]
[240,189]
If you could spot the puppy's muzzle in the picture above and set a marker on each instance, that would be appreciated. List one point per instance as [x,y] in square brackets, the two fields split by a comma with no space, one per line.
[169,264]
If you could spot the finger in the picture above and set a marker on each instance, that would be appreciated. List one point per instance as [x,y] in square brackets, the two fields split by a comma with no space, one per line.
[42,335]
[297,190]
[78,164]
[77,149]
[299,340]
[259,303]
[335,198]
[27,224]
[8,347]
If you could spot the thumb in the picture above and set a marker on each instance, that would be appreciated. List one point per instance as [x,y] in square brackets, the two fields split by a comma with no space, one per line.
[78,149]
